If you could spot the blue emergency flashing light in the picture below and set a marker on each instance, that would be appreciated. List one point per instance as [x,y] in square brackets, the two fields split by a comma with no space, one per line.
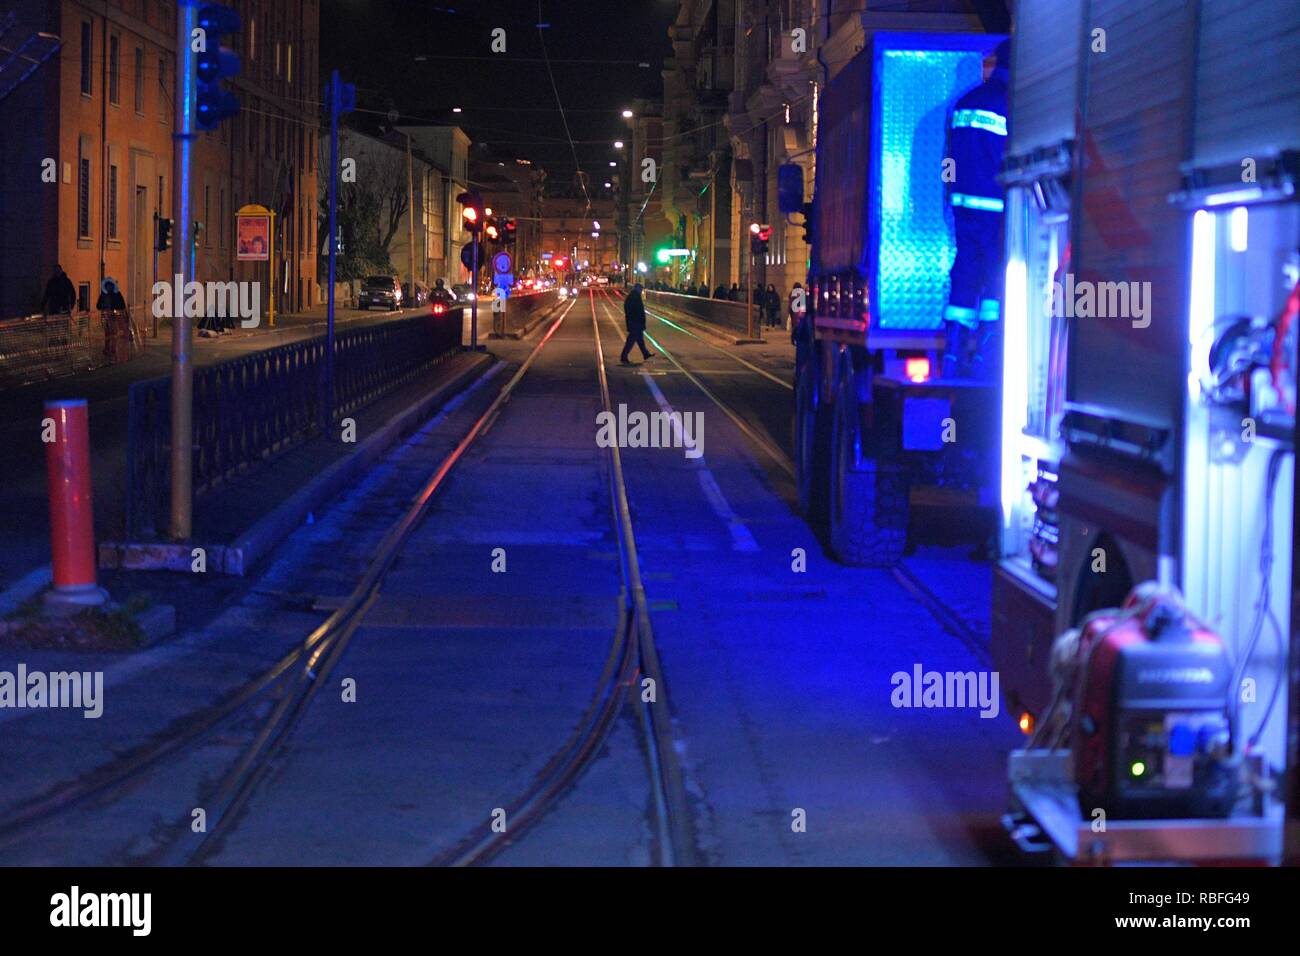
[215,62]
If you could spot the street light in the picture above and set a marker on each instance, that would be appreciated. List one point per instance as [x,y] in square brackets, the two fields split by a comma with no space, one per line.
[455,109]
[612,163]
[627,114]
[609,185]
[618,144]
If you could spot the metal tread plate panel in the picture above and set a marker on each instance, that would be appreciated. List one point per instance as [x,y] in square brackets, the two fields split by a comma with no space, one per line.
[1044,78]
[1135,128]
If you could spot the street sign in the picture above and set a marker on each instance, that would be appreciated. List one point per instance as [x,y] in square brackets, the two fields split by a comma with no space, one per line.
[253,233]
[467,256]
[501,262]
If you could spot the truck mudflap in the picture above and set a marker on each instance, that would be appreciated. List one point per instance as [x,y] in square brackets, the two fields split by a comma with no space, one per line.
[945,431]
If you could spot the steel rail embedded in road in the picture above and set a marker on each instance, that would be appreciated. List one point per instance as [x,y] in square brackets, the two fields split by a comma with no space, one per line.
[633,652]
[238,786]
[923,595]
[192,728]
[727,352]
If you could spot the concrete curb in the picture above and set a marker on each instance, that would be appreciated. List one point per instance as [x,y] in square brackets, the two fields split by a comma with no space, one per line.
[24,589]
[239,557]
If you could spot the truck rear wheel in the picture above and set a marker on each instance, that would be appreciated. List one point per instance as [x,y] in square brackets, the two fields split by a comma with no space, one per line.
[811,442]
[869,507]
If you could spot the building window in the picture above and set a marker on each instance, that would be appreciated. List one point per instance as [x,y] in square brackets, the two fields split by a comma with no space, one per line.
[221,219]
[162,192]
[139,80]
[114,70]
[87,44]
[162,86]
[207,222]
[112,201]
[83,194]
[252,38]
[277,57]
[289,63]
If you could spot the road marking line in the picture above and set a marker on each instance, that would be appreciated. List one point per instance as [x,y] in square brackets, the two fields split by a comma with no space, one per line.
[741,539]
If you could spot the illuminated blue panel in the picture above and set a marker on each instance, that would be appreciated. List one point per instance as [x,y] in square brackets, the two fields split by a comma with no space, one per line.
[916,90]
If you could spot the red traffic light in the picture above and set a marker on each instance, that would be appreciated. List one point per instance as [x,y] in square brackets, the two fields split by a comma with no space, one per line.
[470,214]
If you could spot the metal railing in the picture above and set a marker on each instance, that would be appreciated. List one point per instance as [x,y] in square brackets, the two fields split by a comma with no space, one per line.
[720,312]
[41,347]
[252,408]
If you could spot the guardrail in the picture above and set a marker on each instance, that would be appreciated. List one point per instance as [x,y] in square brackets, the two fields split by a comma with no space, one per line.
[252,408]
[39,347]
[720,312]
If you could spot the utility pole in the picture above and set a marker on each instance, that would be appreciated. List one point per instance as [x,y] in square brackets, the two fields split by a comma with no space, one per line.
[182,398]
[342,99]
[410,215]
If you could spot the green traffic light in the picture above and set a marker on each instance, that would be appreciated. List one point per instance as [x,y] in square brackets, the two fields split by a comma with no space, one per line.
[1138,768]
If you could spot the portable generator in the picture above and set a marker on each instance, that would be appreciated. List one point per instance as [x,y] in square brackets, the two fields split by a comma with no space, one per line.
[1151,721]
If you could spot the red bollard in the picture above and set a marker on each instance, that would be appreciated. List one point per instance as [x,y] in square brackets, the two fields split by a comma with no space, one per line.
[72,526]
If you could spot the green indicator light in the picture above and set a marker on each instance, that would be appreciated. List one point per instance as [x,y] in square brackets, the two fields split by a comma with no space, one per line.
[1138,768]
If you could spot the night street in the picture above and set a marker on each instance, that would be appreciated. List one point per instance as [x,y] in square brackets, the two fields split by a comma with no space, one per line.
[763,436]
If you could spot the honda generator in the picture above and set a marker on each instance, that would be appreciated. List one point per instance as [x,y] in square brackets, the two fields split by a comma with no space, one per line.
[1151,716]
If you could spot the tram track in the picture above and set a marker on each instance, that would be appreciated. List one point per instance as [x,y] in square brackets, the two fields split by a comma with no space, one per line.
[632,676]
[298,675]
[906,577]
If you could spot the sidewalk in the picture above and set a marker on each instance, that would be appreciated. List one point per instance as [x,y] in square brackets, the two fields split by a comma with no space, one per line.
[23,498]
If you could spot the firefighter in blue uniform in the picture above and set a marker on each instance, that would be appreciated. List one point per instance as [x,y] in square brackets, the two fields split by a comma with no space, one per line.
[977,133]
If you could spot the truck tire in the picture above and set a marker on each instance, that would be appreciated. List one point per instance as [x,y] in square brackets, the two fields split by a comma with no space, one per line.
[811,443]
[869,506]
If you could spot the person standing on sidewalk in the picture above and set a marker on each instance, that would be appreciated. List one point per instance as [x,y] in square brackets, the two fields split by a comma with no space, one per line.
[772,305]
[60,295]
[112,311]
[634,312]
[798,305]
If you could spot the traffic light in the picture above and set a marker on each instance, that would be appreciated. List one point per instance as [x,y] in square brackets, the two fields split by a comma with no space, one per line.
[163,240]
[471,213]
[215,62]
[508,233]
[759,234]
[491,230]
[808,224]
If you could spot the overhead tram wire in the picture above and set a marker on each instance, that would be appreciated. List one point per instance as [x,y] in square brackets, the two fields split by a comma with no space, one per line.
[541,38]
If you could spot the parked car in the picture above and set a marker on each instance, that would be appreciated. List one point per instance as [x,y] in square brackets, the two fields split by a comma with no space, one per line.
[420,296]
[382,291]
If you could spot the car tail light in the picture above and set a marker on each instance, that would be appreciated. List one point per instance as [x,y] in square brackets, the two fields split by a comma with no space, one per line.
[917,369]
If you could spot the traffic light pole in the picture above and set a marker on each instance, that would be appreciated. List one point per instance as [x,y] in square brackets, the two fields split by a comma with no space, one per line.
[153,333]
[182,397]
[749,299]
[473,311]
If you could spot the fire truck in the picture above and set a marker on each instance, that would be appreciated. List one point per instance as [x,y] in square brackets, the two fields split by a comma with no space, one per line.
[1147,408]
[874,425]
